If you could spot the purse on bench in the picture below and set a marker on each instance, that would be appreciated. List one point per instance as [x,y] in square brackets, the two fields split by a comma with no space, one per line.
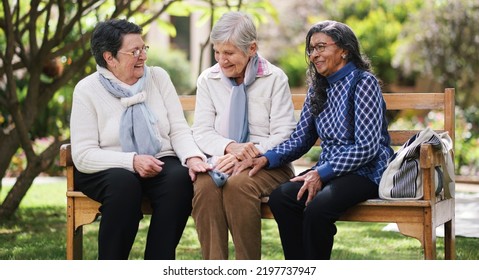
[402,178]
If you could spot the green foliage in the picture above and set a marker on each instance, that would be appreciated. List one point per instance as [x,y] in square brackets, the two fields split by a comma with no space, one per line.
[377,24]
[176,64]
[312,156]
[54,120]
[467,141]
[293,62]
[378,41]
[466,148]
[440,40]
[260,10]
[361,9]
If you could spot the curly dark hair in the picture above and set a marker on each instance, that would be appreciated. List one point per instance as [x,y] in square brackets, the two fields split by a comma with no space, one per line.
[108,36]
[344,38]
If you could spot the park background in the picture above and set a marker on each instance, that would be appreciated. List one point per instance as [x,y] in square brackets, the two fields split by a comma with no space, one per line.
[414,46]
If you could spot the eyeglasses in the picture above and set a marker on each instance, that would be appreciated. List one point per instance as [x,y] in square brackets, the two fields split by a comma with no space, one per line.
[136,53]
[319,48]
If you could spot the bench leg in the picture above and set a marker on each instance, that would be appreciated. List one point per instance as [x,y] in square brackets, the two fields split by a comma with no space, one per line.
[424,233]
[449,240]
[74,237]
[75,245]
[429,244]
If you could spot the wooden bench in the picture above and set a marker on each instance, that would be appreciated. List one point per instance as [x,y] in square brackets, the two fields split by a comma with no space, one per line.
[415,218]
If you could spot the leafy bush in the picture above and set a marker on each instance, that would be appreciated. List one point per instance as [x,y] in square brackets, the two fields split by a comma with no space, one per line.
[467,141]
[466,156]
[176,64]
[294,64]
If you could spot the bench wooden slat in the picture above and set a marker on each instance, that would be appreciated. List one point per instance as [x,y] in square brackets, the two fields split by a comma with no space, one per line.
[415,218]
[399,137]
[417,101]
[188,102]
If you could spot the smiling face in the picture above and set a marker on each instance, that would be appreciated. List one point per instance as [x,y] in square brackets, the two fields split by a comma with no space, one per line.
[330,60]
[125,66]
[232,60]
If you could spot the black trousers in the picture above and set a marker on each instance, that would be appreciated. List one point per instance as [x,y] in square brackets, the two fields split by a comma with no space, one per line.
[120,193]
[307,232]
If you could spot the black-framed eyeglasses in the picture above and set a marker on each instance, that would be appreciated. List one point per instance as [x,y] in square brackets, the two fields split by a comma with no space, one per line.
[319,48]
[136,53]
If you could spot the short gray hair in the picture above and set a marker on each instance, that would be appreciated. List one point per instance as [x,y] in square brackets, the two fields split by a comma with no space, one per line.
[236,28]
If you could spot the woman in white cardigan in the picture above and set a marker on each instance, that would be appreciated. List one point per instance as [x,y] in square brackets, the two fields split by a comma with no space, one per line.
[233,130]
[130,139]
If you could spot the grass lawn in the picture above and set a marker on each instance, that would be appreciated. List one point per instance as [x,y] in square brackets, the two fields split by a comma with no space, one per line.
[37,232]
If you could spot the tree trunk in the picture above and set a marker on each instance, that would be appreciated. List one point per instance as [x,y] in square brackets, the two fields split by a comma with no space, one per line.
[20,188]
[25,180]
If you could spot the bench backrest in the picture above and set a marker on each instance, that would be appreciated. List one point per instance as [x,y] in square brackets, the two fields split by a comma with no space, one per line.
[420,102]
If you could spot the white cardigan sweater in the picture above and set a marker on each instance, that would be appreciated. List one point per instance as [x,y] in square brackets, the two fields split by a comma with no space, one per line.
[270,110]
[95,124]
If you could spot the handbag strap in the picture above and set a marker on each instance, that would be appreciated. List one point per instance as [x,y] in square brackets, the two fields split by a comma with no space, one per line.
[448,163]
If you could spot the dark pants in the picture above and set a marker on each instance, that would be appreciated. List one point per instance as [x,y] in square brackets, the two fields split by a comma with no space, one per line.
[308,232]
[120,193]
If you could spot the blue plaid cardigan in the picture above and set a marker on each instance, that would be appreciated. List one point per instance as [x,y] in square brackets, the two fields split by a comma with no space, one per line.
[352,128]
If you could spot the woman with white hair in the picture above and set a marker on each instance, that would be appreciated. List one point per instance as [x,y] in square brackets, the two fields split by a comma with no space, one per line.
[243,108]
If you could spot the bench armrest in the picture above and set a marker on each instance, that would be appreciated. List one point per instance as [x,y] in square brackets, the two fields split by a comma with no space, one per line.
[66,155]
[429,159]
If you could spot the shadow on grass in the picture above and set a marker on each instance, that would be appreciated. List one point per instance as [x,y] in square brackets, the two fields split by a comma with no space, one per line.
[34,233]
[367,241]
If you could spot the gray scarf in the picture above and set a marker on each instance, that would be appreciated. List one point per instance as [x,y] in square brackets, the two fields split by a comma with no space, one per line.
[238,129]
[138,131]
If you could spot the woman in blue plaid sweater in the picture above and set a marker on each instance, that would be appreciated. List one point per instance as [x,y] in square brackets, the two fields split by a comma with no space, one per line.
[344,108]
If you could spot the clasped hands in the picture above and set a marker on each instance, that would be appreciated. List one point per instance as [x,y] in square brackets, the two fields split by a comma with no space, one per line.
[243,156]
[250,157]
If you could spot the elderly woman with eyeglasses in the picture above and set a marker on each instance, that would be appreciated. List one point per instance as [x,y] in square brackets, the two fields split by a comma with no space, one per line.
[344,108]
[243,108]
[130,140]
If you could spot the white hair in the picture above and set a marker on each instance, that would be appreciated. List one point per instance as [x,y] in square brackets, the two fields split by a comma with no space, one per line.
[236,28]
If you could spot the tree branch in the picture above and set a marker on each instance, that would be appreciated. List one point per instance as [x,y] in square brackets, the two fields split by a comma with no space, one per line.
[158,13]
[32,27]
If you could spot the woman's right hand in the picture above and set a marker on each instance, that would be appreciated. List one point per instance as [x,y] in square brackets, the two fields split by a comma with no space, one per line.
[226,163]
[312,184]
[147,166]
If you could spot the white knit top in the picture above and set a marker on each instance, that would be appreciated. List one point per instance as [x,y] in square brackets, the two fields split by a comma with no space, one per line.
[270,110]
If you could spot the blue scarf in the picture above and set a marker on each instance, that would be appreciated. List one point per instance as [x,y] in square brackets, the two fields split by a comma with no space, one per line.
[138,131]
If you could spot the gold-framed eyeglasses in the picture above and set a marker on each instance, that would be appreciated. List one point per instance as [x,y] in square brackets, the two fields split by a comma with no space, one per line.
[319,48]
[136,53]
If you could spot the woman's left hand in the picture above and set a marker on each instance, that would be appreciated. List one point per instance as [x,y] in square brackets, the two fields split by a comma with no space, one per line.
[242,151]
[196,165]
[312,184]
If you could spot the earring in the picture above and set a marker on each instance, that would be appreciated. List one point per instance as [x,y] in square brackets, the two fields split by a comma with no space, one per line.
[343,56]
